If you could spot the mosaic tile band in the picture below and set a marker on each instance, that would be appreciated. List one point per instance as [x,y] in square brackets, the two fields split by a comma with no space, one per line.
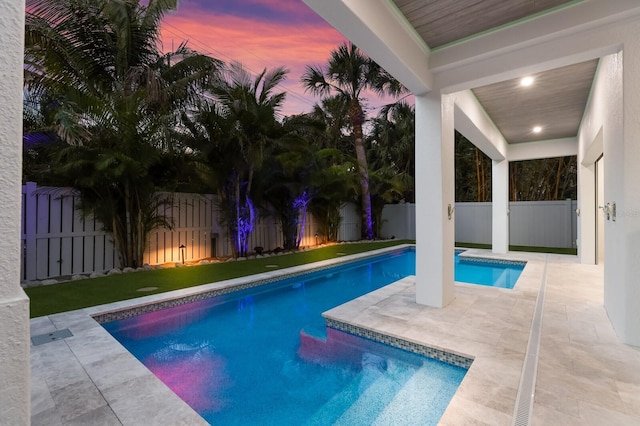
[439,354]
[475,259]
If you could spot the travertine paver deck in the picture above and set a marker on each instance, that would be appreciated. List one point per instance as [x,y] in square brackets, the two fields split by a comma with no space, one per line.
[585,375]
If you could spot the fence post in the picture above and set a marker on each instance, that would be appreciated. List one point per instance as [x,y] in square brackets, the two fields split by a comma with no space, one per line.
[30,228]
[568,223]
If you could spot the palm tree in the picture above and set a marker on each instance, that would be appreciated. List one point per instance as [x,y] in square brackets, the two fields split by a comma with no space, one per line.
[349,73]
[336,184]
[392,145]
[231,134]
[112,100]
[386,187]
[333,112]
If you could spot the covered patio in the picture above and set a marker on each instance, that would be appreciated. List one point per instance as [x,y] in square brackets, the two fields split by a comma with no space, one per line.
[463,61]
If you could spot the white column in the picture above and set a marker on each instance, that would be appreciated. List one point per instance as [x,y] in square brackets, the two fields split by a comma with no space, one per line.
[14,304]
[434,199]
[500,206]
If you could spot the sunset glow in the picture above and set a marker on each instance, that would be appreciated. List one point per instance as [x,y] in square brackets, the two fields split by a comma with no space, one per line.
[259,34]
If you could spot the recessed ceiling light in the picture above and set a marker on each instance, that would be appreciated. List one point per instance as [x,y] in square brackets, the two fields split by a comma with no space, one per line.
[526,81]
[537,129]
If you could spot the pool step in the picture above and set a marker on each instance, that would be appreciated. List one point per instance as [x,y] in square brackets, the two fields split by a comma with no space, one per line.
[413,404]
[372,400]
[369,404]
[357,395]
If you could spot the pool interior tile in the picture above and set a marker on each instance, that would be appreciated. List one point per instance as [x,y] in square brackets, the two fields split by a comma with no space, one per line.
[584,374]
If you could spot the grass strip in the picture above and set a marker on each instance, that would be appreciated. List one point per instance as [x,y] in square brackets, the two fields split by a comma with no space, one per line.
[531,249]
[71,295]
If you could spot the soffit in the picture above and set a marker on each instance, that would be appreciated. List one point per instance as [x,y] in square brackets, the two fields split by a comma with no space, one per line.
[440,22]
[557,99]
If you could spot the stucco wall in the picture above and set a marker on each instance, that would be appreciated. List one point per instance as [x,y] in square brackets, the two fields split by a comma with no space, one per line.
[14,308]
[610,126]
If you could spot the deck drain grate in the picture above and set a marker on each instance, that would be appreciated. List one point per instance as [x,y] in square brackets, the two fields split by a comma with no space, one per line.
[41,339]
[526,391]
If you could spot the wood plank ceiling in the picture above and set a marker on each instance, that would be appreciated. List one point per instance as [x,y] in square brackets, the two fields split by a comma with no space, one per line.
[556,100]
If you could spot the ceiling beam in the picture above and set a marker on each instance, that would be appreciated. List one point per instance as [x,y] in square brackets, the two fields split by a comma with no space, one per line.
[380,30]
[472,121]
[543,149]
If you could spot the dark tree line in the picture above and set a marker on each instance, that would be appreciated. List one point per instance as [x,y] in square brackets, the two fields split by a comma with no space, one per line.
[531,180]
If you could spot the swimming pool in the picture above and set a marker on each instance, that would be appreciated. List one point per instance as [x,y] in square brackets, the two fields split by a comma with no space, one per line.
[494,273]
[264,355]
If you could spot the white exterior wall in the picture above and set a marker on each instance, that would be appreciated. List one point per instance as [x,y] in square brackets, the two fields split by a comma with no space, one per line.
[611,126]
[14,304]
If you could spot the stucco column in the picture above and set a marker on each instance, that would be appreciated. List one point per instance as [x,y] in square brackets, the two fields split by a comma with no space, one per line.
[14,305]
[500,206]
[434,199]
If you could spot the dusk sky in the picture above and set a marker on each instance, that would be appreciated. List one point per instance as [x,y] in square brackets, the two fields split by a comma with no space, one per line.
[259,34]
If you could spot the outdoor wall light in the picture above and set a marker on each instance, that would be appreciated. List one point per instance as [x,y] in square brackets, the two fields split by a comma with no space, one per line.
[537,129]
[609,211]
[450,210]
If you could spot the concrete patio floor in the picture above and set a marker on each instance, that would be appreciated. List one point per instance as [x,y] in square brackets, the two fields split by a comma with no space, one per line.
[585,376]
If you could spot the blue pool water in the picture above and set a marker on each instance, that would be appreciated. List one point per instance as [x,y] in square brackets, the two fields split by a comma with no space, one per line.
[263,356]
[487,273]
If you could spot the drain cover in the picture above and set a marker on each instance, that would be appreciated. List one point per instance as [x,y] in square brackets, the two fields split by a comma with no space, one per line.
[41,339]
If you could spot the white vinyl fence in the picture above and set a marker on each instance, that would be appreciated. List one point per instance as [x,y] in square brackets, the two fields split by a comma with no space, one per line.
[399,221]
[531,223]
[543,223]
[58,241]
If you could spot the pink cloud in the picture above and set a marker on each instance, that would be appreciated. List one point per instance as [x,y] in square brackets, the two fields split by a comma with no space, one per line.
[260,44]
[257,45]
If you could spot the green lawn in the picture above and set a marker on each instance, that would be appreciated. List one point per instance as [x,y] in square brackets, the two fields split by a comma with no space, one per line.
[531,249]
[72,295]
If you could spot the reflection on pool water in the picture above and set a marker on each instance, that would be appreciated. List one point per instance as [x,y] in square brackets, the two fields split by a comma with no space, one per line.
[264,356]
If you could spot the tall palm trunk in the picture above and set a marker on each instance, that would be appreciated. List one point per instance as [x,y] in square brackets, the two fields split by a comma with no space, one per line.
[357,119]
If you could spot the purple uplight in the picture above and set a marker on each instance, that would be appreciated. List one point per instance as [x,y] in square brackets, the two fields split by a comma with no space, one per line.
[369,230]
[245,220]
[300,203]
